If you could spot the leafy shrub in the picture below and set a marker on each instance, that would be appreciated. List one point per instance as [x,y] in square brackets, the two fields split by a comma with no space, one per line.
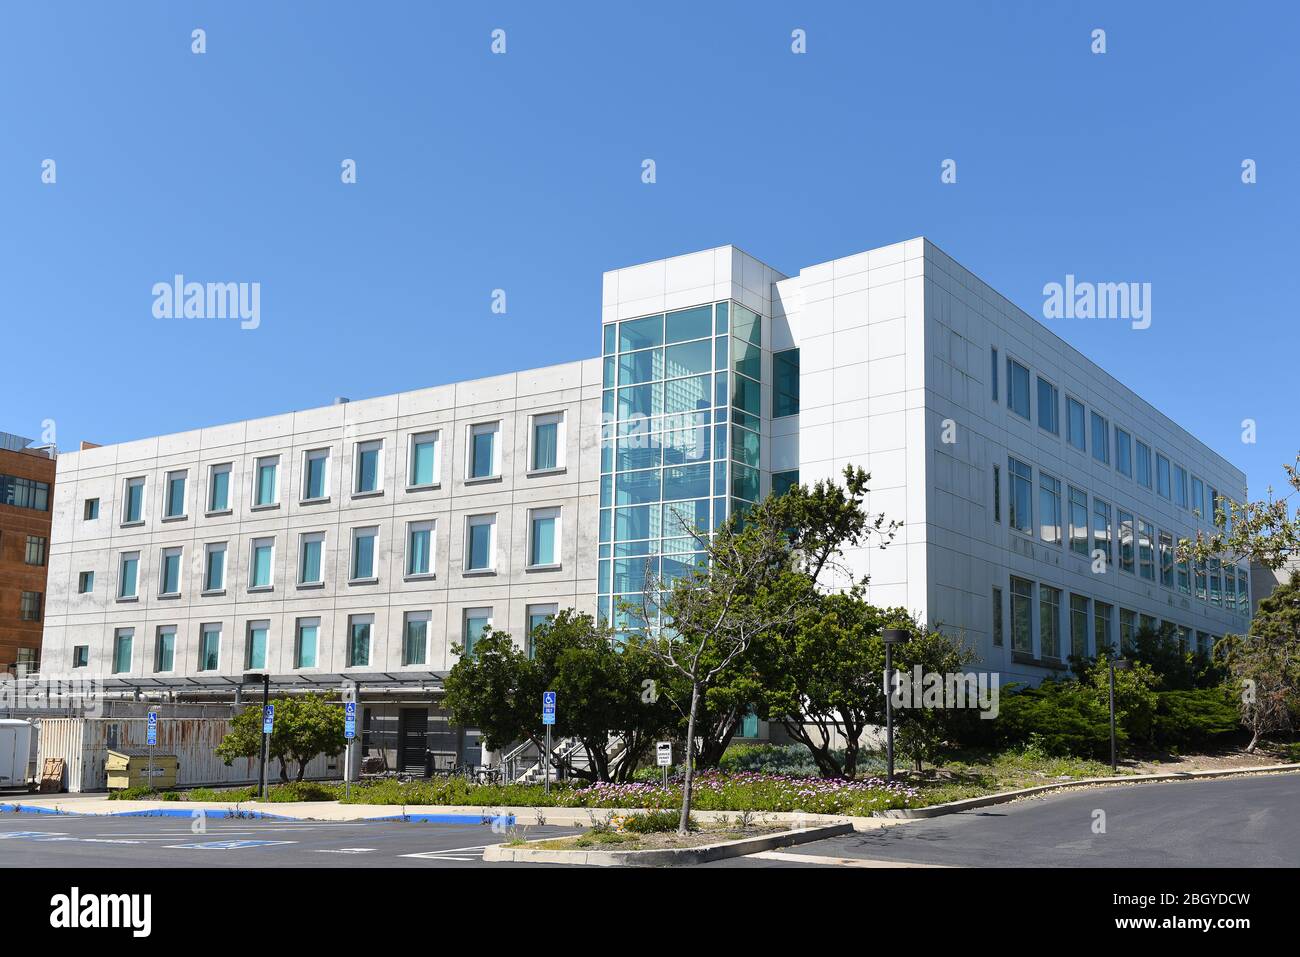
[1060,718]
[142,792]
[789,759]
[655,822]
[302,791]
[215,794]
[1194,717]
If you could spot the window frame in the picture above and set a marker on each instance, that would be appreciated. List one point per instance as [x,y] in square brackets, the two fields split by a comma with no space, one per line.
[253,544]
[422,525]
[258,463]
[558,419]
[304,539]
[471,521]
[355,536]
[359,450]
[219,468]
[472,431]
[435,437]
[168,480]
[309,456]
[556,513]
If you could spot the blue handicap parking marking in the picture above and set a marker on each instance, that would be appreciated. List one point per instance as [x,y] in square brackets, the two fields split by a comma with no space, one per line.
[226,845]
[32,835]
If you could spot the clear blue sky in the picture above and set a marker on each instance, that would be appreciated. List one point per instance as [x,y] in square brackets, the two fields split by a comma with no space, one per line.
[522,172]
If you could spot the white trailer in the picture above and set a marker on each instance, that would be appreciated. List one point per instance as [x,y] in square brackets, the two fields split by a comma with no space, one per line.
[15,752]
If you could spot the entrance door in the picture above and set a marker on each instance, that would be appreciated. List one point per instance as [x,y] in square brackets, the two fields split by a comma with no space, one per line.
[413,740]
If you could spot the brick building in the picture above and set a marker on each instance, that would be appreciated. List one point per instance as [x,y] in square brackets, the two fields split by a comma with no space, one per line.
[26,494]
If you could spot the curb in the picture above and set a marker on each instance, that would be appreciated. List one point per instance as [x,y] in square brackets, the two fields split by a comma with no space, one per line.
[219,813]
[666,857]
[1004,797]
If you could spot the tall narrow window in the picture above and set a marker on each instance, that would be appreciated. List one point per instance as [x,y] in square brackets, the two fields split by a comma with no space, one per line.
[1049,508]
[424,460]
[415,643]
[260,563]
[1166,559]
[1126,555]
[314,486]
[306,634]
[478,622]
[219,488]
[359,629]
[122,641]
[1049,407]
[997,611]
[1021,515]
[1018,388]
[214,571]
[1127,628]
[1198,496]
[1101,531]
[785,382]
[997,493]
[133,501]
[1185,576]
[174,506]
[1143,461]
[311,546]
[1101,626]
[369,467]
[1100,439]
[1123,452]
[483,457]
[1146,550]
[363,553]
[1080,625]
[1162,477]
[1078,521]
[37,546]
[538,617]
[547,439]
[419,548]
[1075,424]
[169,574]
[993,374]
[1049,621]
[266,481]
[127,579]
[164,651]
[1180,486]
[480,542]
[255,645]
[543,535]
[209,647]
[1022,616]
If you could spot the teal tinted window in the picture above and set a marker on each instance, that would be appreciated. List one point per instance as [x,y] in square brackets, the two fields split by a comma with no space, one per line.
[694,323]
[543,543]
[260,575]
[368,470]
[266,483]
[630,573]
[690,358]
[305,650]
[782,482]
[418,552]
[417,638]
[747,359]
[641,401]
[640,333]
[686,446]
[311,553]
[209,650]
[636,488]
[480,546]
[422,456]
[746,326]
[688,481]
[688,395]
[546,445]
[785,383]
[134,501]
[164,658]
[637,451]
[315,475]
[644,366]
[634,523]
[744,482]
[256,655]
[608,334]
[127,586]
[359,645]
[475,628]
[214,579]
[176,496]
[219,499]
[483,465]
[684,519]
[122,654]
[171,575]
[747,396]
[744,446]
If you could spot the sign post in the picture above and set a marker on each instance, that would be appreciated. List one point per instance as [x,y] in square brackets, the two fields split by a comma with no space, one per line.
[548,719]
[268,725]
[664,757]
[349,732]
[152,739]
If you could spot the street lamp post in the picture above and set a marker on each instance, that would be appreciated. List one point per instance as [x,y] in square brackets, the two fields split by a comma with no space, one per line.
[265,678]
[891,637]
[1121,664]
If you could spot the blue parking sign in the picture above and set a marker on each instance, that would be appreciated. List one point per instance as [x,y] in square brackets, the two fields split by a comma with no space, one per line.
[350,720]
[268,718]
[152,729]
[548,707]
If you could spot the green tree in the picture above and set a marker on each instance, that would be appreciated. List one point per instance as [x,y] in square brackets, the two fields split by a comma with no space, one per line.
[306,726]
[924,731]
[1264,532]
[1265,664]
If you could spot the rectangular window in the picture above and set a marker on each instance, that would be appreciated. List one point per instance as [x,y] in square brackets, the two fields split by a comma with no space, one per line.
[538,617]
[484,461]
[993,374]
[1021,515]
[1101,531]
[90,511]
[255,645]
[1243,591]
[37,546]
[219,488]
[424,460]
[785,382]
[127,579]
[1101,626]
[164,648]
[1180,486]
[480,543]
[419,548]
[133,499]
[363,553]
[1127,629]
[261,561]
[1017,388]
[1076,424]
[314,478]
[169,573]
[1212,505]
[1201,585]
[1100,439]
[359,628]
[1185,576]
[214,572]
[122,641]
[1078,521]
[1049,407]
[306,635]
[266,484]
[1126,557]
[1146,550]
[85,583]
[174,506]
[415,640]
[209,647]
[543,537]
[997,612]
[1162,477]
[369,467]
[81,656]
[29,606]
[1123,452]
[1229,588]
[1143,465]
[548,442]
[1049,508]
[1022,615]
[1080,625]
[997,493]
[1216,582]
[1166,559]
[1049,621]
[478,622]
[25,493]
[1198,496]
[311,548]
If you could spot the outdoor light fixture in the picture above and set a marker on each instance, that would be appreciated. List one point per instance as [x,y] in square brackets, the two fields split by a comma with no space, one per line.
[891,637]
[253,677]
[1116,664]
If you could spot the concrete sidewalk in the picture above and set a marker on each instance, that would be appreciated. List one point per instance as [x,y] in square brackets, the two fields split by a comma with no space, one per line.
[335,811]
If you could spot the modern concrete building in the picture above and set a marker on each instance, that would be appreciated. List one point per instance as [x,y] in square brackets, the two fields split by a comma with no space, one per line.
[26,485]
[1041,498]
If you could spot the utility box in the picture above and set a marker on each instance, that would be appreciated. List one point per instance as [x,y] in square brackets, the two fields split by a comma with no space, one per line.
[15,752]
[130,768]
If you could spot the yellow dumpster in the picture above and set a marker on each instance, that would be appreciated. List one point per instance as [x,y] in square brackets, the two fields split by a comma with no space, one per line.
[131,768]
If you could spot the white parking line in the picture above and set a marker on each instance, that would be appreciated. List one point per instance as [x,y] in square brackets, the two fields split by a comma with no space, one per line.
[344,850]
[833,861]
[446,854]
